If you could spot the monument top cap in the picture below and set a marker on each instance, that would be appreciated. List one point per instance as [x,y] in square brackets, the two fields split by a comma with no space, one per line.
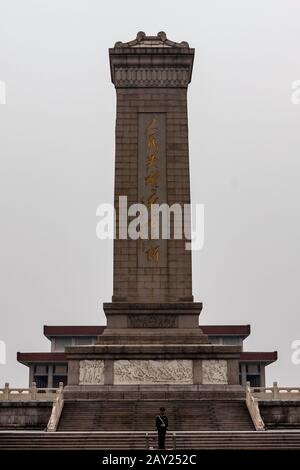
[160,40]
[151,61]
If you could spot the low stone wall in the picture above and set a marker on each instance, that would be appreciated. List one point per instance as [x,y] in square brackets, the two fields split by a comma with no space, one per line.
[280,414]
[24,415]
[154,392]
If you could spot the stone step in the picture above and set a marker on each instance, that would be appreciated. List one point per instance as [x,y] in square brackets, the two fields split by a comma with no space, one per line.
[107,440]
[140,415]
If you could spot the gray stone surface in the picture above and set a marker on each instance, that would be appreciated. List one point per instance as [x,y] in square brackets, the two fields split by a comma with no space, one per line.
[163,391]
[280,414]
[24,415]
[73,371]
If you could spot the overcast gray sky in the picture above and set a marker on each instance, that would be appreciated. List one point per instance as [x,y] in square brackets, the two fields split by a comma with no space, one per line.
[57,157]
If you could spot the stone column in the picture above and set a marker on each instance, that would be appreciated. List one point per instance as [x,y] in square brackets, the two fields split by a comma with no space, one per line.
[233,372]
[244,375]
[31,374]
[262,375]
[50,376]
[73,372]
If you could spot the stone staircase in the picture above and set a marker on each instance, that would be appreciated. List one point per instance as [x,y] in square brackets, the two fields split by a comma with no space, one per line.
[216,440]
[184,415]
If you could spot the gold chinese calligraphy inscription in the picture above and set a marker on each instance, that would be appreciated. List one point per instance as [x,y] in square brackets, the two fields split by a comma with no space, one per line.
[152,182]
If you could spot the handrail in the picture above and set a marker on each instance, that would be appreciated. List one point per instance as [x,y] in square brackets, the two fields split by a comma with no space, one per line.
[149,437]
[26,394]
[276,393]
[57,407]
[253,409]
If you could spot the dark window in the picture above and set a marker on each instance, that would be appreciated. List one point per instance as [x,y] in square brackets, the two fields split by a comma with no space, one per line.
[254,380]
[41,381]
[59,378]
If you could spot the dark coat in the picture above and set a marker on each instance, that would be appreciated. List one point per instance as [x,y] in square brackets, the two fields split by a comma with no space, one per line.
[161,423]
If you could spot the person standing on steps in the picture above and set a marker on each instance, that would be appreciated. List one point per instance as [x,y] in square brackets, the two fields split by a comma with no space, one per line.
[162,427]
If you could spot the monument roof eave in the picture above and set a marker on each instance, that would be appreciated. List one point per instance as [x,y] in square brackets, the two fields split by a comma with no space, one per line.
[262,356]
[51,331]
[39,357]
[28,358]
[227,330]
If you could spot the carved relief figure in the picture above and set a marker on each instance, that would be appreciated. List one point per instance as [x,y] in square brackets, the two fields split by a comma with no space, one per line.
[152,321]
[214,372]
[91,372]
[153,372]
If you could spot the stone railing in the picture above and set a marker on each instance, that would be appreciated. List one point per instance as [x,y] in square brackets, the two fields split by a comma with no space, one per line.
[276,393]
[27,394]
[57,408]
[252,405]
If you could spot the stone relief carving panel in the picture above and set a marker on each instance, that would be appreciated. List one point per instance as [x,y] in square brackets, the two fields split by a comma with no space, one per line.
[214,372]
[91,372]
[129,372]
[152,321]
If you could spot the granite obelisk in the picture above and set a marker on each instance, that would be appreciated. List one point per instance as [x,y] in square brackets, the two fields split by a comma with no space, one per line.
[152,335]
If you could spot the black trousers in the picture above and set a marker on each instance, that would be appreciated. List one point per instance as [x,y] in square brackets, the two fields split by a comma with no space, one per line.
[161,439]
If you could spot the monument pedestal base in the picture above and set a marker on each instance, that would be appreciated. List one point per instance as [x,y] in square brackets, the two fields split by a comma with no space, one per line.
[151,365]
[171,349]
[153,355]
[179,315]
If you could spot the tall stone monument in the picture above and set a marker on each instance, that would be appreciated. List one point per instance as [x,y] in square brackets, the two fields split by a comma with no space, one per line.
[153,336]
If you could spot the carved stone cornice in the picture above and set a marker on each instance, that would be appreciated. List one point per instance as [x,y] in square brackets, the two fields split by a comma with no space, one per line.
[151,77]
[151,61]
